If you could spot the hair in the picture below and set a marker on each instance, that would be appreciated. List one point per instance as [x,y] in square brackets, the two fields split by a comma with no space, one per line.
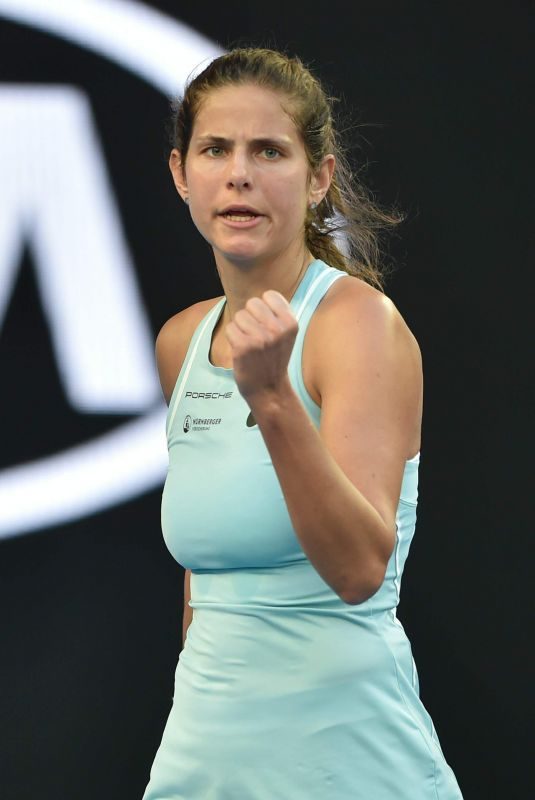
[348,209]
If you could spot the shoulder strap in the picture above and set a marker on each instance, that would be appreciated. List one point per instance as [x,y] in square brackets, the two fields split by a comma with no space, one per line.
[328,277]
[305,309]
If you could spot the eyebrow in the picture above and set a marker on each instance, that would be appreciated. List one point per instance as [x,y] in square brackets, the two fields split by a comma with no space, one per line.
[264,140]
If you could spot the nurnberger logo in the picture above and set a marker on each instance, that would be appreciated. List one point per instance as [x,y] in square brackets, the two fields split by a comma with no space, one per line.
[199,423]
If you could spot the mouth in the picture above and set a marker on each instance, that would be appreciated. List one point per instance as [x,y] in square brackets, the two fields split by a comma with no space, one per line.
[240,213]
[241,220]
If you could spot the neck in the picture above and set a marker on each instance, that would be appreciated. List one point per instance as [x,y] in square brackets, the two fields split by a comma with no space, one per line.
[240,284]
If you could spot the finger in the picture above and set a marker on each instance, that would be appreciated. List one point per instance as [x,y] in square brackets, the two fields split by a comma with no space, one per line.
[282,310]
[277,303]
[259,310]
[246,323]
[235,336]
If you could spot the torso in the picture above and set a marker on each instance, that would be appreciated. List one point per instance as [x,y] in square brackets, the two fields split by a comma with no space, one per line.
[220,354]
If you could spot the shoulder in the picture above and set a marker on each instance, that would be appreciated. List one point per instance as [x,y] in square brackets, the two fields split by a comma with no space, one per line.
[368,374]
[173,340]
[364,355]
[360,317]
[184,322]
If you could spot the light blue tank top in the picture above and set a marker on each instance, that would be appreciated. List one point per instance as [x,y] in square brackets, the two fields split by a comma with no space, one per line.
[222,504]
[305,695]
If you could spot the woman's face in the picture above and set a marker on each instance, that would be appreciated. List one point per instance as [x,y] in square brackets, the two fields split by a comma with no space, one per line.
[246,151]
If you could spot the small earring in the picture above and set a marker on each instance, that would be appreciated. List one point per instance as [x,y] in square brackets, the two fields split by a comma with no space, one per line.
[186,200]
[313,206]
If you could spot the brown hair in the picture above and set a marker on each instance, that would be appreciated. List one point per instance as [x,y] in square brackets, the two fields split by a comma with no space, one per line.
[348,207]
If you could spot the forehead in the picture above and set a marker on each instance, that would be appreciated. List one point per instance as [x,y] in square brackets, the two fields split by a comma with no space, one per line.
[246,110]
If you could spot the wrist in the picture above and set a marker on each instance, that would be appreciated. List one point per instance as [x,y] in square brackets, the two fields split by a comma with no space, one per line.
[271,402]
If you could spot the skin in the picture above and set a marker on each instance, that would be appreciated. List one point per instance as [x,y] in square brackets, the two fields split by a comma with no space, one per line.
[342,483]
[276,181]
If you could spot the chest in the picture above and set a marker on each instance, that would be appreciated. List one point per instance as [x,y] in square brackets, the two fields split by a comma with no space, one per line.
[222,503]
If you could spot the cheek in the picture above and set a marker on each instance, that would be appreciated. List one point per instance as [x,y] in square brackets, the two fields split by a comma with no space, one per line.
[201,178]
[289,194]
[201,192]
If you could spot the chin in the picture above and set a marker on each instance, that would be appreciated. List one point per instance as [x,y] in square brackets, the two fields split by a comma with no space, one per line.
[240,259]
[241,254]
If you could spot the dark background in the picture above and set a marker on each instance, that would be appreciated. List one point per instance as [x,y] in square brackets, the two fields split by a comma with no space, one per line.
[92,611]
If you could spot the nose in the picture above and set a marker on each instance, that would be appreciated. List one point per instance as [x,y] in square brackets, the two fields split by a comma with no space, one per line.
[239,169]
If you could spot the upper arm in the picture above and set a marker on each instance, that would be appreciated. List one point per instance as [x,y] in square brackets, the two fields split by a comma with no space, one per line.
[369,375]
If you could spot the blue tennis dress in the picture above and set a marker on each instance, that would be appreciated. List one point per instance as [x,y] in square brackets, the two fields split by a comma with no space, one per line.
[283,691]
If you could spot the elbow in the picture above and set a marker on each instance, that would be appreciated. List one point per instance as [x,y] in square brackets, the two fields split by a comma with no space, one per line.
[361,597]
[365,589]
[364,586]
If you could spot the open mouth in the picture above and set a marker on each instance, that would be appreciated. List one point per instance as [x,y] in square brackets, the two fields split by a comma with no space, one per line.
[240,213]
[240,216]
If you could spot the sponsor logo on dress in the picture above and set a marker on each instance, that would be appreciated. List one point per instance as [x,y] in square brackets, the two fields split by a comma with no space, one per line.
[199,423]
[209,395]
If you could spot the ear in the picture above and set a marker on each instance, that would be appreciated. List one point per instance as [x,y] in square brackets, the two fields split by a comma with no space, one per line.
[319,185]
[178,173]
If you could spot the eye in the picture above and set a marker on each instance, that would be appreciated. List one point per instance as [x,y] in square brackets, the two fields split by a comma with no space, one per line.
[214,147]
[271,150]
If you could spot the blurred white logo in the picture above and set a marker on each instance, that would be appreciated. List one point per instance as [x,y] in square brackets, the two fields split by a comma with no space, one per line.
[64,209]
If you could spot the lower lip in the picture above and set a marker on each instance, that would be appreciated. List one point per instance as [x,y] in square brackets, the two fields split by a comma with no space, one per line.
[250,223]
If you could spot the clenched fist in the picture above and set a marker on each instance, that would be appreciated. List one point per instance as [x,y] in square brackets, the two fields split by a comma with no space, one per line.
[261,337]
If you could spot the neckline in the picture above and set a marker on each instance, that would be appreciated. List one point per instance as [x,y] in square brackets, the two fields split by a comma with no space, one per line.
[228,370]
[293,300]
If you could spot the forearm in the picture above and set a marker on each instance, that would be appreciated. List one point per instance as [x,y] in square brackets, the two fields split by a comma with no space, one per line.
[340,532]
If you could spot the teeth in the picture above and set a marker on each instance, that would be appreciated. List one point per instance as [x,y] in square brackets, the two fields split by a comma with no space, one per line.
[240,218]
